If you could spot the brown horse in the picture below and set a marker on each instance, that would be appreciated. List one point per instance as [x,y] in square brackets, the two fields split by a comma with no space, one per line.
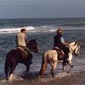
[17,55]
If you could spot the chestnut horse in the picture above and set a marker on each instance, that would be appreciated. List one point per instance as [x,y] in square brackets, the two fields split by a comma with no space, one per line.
[18,55]
[52,57]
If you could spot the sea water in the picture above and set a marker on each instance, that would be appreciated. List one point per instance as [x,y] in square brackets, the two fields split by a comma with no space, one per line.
[44,31]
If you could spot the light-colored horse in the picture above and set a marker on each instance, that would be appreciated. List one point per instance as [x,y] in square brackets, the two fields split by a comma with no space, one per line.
[51,57]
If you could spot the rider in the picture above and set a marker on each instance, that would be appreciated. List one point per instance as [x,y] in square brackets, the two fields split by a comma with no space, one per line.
[61,43]
[21,40]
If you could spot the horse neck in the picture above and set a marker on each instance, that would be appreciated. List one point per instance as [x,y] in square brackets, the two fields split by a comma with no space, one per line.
[29,47]
[72,47]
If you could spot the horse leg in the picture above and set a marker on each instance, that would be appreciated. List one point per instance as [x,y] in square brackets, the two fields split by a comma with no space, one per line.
[53,67]
[28,62]
[27,67]
[7,69]
[70,62]
[42,70]
[71,66]
[63,67]
[12,68]
[65,62]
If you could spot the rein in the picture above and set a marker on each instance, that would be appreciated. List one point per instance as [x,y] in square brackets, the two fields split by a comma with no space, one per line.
[72,49]
[30,51]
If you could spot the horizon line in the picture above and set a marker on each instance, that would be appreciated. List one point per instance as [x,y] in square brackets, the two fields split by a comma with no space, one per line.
[46,18]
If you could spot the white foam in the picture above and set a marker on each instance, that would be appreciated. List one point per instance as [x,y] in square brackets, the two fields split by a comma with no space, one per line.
[14,30]
[73,28]
[54,28]
[39,29]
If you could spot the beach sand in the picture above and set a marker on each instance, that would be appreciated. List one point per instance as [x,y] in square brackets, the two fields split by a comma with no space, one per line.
[74,79]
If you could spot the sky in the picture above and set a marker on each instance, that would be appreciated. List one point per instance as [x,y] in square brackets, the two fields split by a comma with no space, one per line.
[42,8]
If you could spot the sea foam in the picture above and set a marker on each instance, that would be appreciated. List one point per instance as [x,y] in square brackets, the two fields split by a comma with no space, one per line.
[14,30]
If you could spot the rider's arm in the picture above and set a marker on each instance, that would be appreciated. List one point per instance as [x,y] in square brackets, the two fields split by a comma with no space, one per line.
[26,40]
[63,41]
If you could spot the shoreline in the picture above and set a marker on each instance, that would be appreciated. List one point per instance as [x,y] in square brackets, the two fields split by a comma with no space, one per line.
[73,79]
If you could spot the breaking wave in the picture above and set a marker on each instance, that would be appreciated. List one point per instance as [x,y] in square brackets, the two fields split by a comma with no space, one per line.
[39,29]
[14,30]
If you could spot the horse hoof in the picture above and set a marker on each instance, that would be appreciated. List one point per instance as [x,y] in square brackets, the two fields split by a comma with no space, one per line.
[52,75]
[11,77]
[30,62]
[71,66]
[39,78]
[68,71]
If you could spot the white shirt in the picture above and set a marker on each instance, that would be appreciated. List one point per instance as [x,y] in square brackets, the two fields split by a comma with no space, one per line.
[21,39]
[62,40]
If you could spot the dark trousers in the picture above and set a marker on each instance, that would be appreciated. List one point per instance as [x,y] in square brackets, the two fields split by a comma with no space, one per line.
[26,49]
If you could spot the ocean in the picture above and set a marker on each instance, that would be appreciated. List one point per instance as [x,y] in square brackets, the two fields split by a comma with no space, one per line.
[44,31]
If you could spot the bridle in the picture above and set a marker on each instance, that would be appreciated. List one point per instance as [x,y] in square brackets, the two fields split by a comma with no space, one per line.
[73,51]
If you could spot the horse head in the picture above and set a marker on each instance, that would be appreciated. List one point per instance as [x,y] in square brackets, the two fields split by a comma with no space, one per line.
[32,45]
[75,48]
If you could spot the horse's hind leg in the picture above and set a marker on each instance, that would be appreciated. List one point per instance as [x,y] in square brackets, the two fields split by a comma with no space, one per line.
[53,67]
[12,68]
[52,72]
[42,70]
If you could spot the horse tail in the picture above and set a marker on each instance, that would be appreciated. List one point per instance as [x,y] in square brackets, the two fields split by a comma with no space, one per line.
[43,67]
[44,58]
[7,61]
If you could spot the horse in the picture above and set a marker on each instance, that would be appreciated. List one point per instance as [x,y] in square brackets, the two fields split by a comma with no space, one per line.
[18,55]
[53,57]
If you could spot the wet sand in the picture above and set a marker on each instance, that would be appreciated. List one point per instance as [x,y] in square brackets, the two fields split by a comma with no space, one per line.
[74,79]
[77,79]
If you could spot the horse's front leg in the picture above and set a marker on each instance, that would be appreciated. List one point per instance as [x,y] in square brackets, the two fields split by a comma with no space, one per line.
[64,63]
[27,67]
[28,62]
[64,67]
[70,62]
[71,66]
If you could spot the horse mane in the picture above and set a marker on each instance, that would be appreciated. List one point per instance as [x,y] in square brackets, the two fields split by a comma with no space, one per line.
[31,42]
[72,43]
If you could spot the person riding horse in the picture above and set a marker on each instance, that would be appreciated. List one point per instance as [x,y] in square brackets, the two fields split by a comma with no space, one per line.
[21,41]
[62,44]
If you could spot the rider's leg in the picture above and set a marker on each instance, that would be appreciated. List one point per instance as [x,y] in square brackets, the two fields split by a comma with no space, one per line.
[26,49]
[66,56]
[29,54]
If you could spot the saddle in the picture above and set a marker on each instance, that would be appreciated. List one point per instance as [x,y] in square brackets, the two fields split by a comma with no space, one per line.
[23,53]
[60,52]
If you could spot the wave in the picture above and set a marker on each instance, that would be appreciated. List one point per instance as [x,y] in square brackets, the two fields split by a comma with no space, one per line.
[39,29]
[54,28]
[14,30]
